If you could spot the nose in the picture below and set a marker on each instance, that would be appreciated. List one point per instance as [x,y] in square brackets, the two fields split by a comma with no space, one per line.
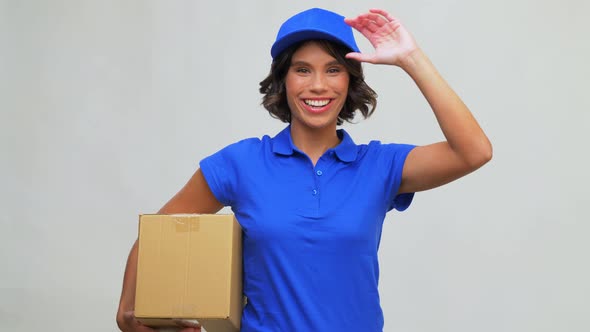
[318,82]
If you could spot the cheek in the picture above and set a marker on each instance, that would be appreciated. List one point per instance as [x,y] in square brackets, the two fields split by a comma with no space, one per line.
[287,84]
[340,84]
[292,83]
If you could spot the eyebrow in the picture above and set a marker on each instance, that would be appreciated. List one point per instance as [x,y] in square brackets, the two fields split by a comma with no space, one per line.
[303,63]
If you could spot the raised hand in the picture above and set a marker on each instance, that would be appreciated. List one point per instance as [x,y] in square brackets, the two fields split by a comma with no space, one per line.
[392,42]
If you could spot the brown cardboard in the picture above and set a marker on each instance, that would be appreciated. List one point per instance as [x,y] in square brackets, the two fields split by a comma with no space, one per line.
[190,267]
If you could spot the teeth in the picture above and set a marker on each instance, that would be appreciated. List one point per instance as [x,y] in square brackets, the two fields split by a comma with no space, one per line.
[317,103]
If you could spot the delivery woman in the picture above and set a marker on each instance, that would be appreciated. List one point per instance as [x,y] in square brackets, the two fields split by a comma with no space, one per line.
[310,201]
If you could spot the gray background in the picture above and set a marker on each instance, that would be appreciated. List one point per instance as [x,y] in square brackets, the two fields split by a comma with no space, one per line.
[106,108]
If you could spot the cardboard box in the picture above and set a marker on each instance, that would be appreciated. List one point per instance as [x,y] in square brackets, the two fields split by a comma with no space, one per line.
[190,267]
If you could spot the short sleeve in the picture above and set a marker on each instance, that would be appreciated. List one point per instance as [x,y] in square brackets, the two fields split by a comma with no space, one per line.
[221,170]
[392,158]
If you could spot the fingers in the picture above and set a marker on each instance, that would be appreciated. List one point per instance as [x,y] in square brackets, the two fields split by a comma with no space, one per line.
[134,324]
[383,13]
[131,321]
[369,25]
[364,23]
[383,16]
[378,16]
[373,21]
[192,323]
[361,57]
[377,19]
[359,24]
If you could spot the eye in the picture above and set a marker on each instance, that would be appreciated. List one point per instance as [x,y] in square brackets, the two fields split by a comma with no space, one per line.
[334,70]
[302,70]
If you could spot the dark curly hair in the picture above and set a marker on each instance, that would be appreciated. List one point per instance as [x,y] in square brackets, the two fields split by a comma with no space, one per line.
[360,96]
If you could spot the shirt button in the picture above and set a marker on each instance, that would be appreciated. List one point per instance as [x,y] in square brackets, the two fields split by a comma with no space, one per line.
[315,192]
[319,173]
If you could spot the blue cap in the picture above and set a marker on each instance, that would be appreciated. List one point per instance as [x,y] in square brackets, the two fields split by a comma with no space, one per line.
[315,23]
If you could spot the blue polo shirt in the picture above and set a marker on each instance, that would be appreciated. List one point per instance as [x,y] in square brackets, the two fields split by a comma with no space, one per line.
[310,234]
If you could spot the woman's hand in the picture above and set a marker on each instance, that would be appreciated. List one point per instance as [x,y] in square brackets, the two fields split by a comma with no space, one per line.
[392,42]
[130,324]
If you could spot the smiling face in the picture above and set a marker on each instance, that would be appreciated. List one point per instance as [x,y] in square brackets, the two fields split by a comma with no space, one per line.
[316,88]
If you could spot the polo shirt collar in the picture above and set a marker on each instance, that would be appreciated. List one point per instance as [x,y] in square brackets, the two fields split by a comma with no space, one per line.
[346,151]
[282,143]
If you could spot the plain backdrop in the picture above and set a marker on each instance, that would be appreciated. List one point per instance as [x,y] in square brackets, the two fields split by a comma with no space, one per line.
[106,108]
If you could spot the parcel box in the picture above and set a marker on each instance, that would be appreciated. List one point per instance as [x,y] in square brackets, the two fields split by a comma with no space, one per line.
[190,267]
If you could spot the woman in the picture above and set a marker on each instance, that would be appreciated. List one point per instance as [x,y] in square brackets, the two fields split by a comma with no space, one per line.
[310,201]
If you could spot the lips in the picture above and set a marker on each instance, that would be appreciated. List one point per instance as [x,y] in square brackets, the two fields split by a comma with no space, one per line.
[317,105]
[316,102]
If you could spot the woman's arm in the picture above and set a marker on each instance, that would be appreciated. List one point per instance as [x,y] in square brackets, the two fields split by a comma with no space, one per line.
[466,147]
[194,197]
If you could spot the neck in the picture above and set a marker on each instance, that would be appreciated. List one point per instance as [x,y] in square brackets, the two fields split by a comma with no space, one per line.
[314,142]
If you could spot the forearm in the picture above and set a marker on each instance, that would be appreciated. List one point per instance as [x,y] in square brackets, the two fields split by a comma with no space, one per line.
[127,301]
[194,197]
[462,132]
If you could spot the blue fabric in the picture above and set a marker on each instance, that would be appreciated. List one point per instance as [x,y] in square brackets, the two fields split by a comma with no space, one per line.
[315,23]
[311,234]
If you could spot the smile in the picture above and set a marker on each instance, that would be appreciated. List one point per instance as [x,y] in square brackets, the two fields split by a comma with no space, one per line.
[317,105]
[316,102]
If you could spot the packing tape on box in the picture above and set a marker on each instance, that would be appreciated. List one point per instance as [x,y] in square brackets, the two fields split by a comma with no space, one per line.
[191,224]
